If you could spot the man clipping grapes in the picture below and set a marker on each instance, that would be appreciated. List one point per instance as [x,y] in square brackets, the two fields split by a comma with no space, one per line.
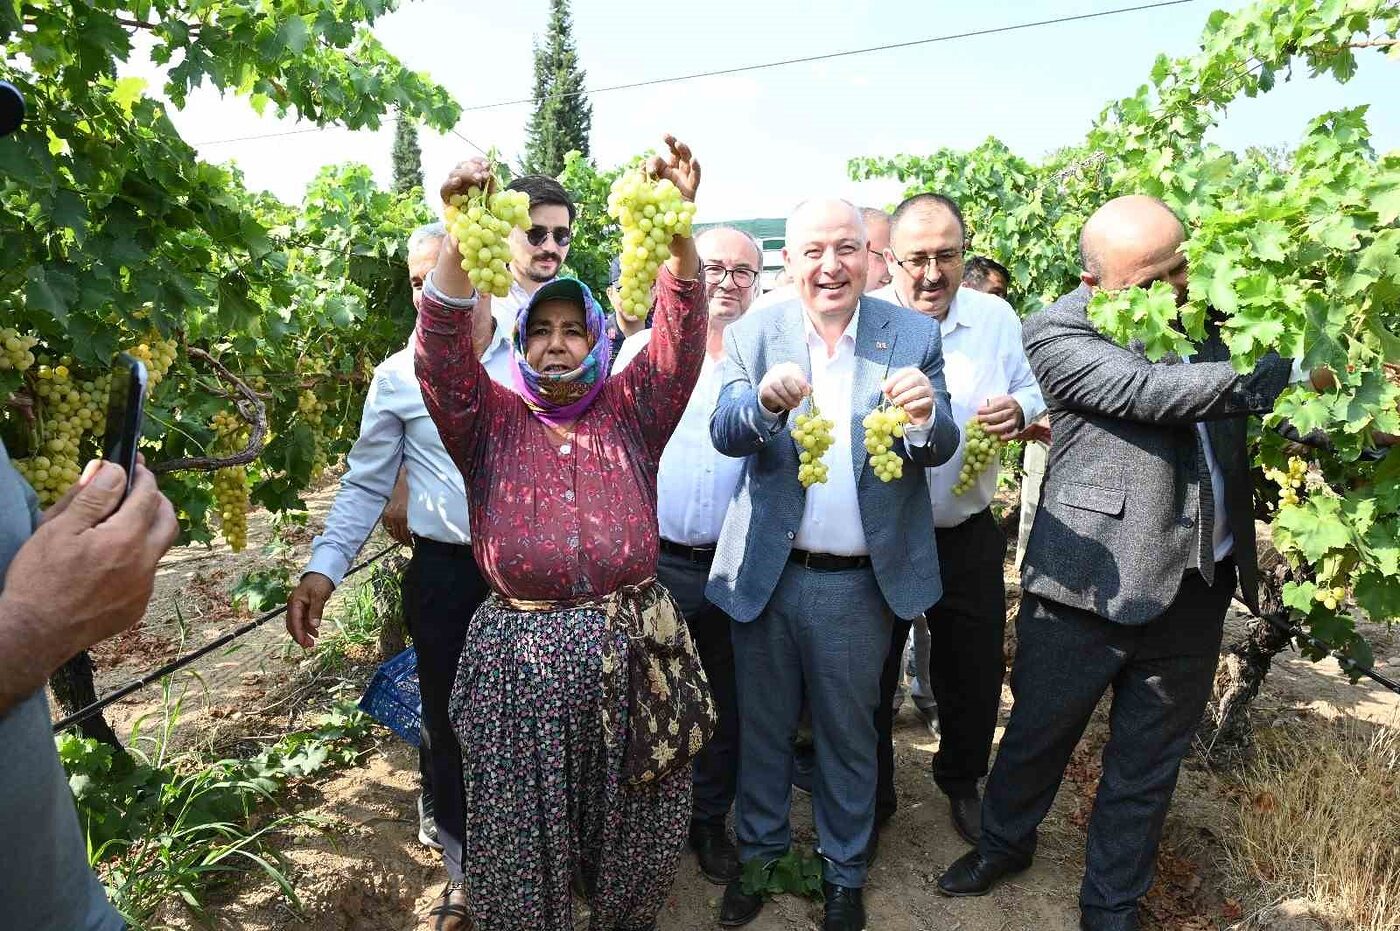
[1146,524]
[814,569]
[441,584]
[994,394]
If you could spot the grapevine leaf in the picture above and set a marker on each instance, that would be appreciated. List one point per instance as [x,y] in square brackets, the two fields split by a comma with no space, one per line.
[1385,196]
[50,290]
[1378,595]
[127,91]
[1268,239]
[1300,596]
[1315,528]
[1382,256]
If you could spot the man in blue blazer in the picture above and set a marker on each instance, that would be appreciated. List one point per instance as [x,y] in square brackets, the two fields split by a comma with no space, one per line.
[814,577]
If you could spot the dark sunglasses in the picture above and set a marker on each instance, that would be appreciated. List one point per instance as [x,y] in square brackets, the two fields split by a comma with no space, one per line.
[536,235]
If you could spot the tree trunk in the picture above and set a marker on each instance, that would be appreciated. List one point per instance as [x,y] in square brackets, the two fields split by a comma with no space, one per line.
[74,689]
[1226,730]
[386,581]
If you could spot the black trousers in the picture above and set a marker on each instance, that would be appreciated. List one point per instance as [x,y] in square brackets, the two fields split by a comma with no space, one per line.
[965,662]
[966,656]
[1161,674]
[442,588]
[716,767]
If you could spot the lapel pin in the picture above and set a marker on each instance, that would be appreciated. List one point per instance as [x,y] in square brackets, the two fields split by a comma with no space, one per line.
[881,344]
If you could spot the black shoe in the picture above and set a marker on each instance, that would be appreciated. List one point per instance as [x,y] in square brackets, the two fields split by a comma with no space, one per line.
[967,818]
[738,907]
[719,861]
[427,824]
[872,847]
[845,908]
[971,875]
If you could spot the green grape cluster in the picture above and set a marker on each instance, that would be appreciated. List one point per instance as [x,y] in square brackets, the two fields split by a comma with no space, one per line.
[651,213]
[313,412]
[812,434]
[481,224]
[1331,597]
[882,426]
[980,450]
[16,350]
[1289,482]
[231,484]
[67,408]
[157,353]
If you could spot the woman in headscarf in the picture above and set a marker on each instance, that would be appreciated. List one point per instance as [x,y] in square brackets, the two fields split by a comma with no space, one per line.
[579,698]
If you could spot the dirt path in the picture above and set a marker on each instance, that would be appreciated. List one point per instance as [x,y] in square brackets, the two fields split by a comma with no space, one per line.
[362,868]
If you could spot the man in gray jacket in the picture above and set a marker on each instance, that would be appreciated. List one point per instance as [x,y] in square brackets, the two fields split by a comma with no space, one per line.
[1145,525]
[813,577]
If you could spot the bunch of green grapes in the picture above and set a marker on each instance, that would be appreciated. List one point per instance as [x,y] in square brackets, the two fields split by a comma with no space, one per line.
[882,426]
[481,224]
[1289,482]
[157,353]
[980,449]
[812,433]
[650,213]
[16,351]
[67,408]
[1331,597]
[313,412]
[231,484]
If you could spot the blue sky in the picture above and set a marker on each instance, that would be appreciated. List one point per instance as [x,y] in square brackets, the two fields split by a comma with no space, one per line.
[770,138]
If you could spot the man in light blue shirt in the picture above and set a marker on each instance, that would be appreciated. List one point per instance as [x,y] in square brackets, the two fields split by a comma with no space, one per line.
[442,586]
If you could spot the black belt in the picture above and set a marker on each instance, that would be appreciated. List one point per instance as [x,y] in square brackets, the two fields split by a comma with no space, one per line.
[825,562]
[455,550]
[700,554]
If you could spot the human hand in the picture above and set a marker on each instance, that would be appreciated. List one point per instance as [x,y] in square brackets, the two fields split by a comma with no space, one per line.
[1001,416]
[395,516]
[783,387]
[304,608]
[680,167]
[910,389]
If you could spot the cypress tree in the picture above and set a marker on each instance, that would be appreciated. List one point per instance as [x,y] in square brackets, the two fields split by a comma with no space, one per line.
[563,117]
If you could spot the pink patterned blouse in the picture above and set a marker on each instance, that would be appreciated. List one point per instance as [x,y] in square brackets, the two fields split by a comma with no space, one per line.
[563,518]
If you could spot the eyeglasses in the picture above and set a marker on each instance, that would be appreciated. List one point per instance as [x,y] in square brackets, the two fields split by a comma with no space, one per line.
[535,235]
[918,264]
[743,277]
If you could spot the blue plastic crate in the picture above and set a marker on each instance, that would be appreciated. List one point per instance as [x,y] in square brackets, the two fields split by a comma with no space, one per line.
[392,698]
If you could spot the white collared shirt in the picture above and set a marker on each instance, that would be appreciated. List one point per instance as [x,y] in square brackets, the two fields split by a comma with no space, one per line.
[505,309]
[1222,540]
[694,482]
[395,430]
[982,358]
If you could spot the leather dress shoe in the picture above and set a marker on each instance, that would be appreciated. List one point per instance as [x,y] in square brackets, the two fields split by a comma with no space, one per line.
[449,912]
[967,818]
[971,874]
[845,908]
[719,861]
[738,907]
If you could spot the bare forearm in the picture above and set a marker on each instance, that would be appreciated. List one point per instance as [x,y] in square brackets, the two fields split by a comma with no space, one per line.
[29,653]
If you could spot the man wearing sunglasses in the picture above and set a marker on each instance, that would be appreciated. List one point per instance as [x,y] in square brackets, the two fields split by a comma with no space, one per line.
[989,379]
[694,485]
[536,254]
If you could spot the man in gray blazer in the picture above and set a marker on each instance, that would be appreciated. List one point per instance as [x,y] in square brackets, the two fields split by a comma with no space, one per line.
[813,578]
[1145,524]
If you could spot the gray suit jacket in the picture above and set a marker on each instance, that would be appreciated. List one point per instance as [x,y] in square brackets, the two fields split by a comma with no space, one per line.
[1118,521]
[764,515]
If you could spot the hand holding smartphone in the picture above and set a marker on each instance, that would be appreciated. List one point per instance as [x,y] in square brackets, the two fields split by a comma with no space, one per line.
[126,400]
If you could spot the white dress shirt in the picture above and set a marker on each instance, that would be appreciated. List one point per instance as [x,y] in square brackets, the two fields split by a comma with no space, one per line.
[1222,540]
[395,430]
[982,358]
[694,482]
[505,309]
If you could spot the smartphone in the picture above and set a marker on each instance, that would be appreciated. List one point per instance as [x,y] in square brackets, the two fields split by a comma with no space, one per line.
[126,400]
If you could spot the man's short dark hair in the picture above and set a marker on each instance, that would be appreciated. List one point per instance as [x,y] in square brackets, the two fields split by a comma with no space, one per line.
[923,202]
[979,267]
[544,190]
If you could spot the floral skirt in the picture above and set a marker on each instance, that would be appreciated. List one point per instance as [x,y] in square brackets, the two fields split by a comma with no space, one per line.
[547,808]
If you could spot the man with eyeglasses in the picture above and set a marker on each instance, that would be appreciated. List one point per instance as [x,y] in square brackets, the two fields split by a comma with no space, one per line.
[694,485]
[990,379]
